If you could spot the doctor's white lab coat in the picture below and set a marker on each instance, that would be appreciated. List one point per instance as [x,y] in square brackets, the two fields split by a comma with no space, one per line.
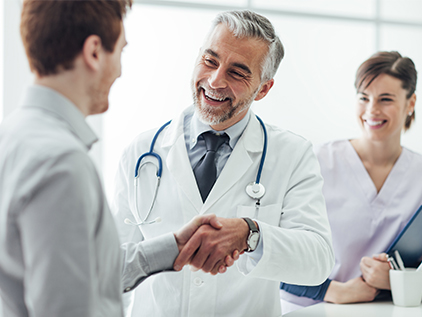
[292,219]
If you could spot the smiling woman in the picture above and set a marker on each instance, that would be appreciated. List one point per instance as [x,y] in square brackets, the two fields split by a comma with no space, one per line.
[381,193]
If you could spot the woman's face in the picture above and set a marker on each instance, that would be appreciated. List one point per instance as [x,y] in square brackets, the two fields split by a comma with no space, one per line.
[382,108]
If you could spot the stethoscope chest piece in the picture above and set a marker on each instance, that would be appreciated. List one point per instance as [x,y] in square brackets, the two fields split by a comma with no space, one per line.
[255,191]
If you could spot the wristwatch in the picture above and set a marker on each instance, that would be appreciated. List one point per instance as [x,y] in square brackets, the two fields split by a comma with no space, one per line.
[253,237]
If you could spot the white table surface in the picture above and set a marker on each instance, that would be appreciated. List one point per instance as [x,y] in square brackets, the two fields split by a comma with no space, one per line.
[374,309]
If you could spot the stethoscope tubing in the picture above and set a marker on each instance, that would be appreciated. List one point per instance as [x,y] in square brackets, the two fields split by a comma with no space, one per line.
[151,153]
[160,170]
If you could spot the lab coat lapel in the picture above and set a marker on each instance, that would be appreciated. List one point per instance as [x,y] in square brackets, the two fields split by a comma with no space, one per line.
[239,162]
[178,161]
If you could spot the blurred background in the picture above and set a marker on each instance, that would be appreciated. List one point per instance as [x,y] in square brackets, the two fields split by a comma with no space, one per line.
[325,42]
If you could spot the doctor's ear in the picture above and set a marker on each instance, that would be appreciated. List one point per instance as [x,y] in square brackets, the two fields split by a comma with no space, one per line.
[91,52]
[265,88]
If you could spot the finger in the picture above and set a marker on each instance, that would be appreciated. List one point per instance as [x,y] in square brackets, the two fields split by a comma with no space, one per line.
[236,255]
[367,261]
[217,267]
[187,252]
[222,269]
[380,257]
[212,262]
[199,260]
[364,269]
[210,219]
[214,222]
[229,261]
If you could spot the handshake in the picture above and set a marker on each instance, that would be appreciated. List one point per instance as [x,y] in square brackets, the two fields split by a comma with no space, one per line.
[210,243]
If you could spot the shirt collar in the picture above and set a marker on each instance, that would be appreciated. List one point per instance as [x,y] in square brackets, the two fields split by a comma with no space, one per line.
[234,132]
[50,100]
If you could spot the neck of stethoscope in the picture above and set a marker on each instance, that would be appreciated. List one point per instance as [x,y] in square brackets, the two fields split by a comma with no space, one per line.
[264,151]
[255,190]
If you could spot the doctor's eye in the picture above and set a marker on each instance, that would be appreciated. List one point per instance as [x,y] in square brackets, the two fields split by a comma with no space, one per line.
[363,98]
[237,75]
[210,62]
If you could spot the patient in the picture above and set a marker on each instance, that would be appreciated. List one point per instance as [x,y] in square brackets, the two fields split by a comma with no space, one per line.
[371,185]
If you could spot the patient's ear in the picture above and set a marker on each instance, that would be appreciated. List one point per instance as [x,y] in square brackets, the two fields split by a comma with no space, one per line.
[91,52]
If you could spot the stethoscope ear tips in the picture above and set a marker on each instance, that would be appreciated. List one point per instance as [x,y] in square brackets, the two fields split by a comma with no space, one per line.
[128,222]
[158,219]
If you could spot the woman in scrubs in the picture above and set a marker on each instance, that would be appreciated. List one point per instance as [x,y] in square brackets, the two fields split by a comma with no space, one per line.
[371,185]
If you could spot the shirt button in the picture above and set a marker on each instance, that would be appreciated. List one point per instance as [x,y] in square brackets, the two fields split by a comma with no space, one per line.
[197,281]
[127,289]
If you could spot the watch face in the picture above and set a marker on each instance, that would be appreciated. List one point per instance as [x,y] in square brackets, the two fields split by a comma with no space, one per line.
[253,240]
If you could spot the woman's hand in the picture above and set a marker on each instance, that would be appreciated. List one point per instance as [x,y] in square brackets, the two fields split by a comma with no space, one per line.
[375,271]
[352,291]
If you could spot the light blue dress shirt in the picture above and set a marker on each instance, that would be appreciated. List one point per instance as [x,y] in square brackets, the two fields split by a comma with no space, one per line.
[195,143]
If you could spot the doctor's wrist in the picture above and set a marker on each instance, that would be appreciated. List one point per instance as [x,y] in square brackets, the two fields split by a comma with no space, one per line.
[253,235]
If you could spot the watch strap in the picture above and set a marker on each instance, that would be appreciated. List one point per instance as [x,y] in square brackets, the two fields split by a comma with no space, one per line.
[253,231]
[251,224]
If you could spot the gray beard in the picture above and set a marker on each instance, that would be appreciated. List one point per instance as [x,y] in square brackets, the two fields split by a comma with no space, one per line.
[207,116]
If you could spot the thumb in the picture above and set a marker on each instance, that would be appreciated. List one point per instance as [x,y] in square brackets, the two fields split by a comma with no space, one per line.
[212,220]
[380,257]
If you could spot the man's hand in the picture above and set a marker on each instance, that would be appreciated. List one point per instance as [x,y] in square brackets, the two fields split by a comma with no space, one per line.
[352,291]
[185,233]
[375,271]
[208,248]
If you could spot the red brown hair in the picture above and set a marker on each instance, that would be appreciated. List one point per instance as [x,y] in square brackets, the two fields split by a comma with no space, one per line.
[53,32]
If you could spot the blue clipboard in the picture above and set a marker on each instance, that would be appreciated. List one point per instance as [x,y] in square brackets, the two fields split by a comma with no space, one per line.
[409,241]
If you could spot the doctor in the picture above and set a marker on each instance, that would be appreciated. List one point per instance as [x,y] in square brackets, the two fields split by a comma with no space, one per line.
[286,235]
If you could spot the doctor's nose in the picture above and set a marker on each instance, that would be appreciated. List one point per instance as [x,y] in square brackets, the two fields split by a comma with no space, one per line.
[217,79]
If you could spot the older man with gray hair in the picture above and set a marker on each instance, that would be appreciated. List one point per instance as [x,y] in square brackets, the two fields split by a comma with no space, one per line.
[263,182]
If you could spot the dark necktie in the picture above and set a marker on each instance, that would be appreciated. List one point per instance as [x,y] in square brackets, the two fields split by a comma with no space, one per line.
[206,171]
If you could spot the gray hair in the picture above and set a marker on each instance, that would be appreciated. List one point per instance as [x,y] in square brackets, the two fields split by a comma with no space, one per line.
[249,24]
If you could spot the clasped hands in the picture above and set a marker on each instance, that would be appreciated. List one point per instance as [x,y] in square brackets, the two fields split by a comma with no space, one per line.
[211,244]
[375,276]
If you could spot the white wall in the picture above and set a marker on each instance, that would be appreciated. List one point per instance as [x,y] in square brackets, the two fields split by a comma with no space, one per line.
[15,66]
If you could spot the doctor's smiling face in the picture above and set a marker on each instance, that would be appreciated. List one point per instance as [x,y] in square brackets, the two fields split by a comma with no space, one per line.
[227,77]
[383,107]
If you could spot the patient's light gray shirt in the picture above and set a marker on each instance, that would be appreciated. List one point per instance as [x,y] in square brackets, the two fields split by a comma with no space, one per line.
[59,248]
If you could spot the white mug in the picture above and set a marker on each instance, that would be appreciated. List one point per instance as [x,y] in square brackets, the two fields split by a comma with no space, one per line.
[406,287]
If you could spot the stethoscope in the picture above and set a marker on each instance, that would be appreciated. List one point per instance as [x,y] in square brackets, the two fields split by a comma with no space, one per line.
[255,189]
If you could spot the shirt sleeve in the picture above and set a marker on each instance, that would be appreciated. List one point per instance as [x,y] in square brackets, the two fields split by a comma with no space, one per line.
[143,259]
[314,292]
[57,224]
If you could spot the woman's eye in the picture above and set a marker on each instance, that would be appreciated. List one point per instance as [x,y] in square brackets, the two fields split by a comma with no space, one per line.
[386,99]
[363,99]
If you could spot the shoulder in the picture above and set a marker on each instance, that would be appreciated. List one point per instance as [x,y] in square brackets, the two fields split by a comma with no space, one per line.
[415,158]
[41,144]
[286,138]
[331,147]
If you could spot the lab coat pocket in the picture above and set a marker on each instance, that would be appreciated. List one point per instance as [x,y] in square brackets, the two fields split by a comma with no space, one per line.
[269,214]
